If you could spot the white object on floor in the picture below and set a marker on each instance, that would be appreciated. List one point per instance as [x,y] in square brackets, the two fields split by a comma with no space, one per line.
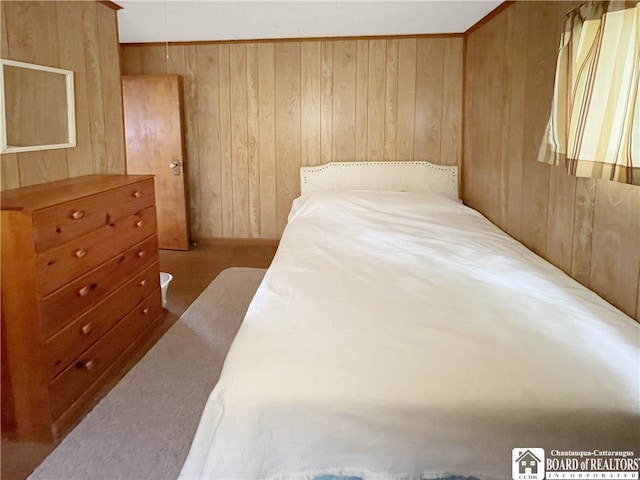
[165,280]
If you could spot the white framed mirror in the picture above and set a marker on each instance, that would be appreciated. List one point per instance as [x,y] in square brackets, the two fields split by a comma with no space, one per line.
[38,108]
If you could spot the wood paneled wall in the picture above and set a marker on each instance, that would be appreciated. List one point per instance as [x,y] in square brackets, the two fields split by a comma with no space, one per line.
[255,112]
[78,36]
[588,228]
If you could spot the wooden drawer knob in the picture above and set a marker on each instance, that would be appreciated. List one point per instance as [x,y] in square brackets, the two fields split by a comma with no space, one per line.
[141,254]
[146,311]
[143,282]
[77,215]
[84,291]
[81,252]
[87,329]
[139,224]
[137,194]
[89,364]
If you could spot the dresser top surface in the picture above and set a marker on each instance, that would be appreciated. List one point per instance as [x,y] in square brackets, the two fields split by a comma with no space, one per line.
[44,195]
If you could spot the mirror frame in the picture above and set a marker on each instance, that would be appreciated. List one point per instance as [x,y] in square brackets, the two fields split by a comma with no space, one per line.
[71,111]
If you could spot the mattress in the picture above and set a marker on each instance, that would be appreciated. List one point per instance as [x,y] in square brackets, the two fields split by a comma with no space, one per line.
[402,335]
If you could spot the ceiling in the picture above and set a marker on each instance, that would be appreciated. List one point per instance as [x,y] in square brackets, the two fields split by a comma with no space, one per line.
[142,21]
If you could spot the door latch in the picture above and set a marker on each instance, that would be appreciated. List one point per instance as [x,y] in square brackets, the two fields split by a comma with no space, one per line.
[175,166]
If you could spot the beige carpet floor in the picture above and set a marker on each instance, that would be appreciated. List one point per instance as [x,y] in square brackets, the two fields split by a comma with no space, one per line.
[143,428]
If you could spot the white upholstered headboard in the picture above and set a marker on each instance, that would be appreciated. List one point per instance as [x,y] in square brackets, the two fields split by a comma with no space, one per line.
[403,176]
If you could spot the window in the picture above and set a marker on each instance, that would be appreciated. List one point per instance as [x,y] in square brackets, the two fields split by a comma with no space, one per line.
[594,126]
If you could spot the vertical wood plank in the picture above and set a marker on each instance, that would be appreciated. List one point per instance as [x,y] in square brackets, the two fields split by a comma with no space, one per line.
[253,134]
[562,192]
[239,158]
[310,72]
[560,224]
[391,101]
[376,100]
[72,57]
[111,89]
[94,87]
[585,196]
[344,96]
[493,106]
[540,74]
[326,103]
[505,115]
[518,44]
[288,128]
[429,91]
[451,141]
[407,98]
[226,156]
[191,140]
[209,135]
[472,107]
[616,252]
[362,95]
[266,100]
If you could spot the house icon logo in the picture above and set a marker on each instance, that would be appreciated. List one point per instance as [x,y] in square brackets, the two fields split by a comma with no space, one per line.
[527,463]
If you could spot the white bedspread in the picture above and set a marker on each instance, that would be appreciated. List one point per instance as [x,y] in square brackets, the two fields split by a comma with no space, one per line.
[402,335]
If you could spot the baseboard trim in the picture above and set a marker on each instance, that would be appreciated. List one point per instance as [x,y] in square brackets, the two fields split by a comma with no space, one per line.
[218,241]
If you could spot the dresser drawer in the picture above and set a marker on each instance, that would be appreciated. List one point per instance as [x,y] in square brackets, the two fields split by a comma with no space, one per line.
[67,344]
[77,377]
[60,265]
[62,306]
[59,224]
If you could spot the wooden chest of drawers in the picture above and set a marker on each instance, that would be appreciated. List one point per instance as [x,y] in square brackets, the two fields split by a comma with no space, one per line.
[80,293]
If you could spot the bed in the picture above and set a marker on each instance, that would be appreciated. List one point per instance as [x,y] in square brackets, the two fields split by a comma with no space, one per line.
[398,334]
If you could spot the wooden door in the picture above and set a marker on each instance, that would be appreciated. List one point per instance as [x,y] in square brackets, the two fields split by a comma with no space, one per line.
[153,134]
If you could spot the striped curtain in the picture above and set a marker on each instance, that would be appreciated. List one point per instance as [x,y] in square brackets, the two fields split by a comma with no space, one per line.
[594,126]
